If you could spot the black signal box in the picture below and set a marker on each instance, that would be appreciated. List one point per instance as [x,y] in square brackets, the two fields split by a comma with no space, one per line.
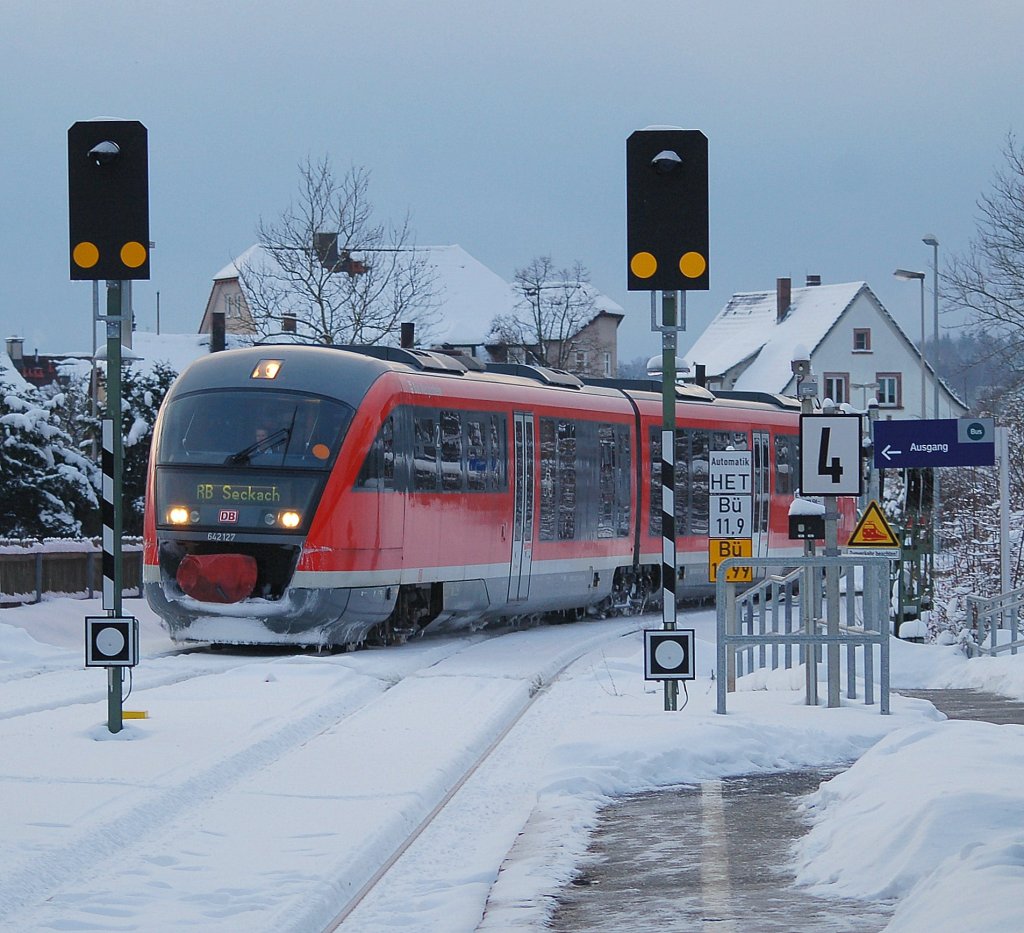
[806,527]
[667,210]
[108,200]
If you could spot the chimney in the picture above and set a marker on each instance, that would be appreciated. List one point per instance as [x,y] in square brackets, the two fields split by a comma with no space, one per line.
[15,347]
[217,331]
[701,374]
[813,280]
[408,339]
[783,298]
[289,323]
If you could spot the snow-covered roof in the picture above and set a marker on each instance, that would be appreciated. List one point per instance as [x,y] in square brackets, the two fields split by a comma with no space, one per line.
[747,327]
[147,350]
[10,375]
[469,295]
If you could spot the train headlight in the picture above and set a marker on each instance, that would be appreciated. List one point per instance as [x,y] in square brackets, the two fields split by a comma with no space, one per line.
[290,519]
[178,515]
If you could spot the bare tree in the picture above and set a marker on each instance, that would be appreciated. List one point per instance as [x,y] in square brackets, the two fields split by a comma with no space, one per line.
[988,280]
[328,272]
[554,307]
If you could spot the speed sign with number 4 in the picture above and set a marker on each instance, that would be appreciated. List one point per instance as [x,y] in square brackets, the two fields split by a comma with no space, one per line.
[830,455]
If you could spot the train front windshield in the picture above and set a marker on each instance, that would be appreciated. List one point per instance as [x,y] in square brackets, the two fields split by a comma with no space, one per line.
[261,430]
[239,459]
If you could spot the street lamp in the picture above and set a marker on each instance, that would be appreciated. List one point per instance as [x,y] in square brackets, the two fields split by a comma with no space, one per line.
[929,240]
[909,276]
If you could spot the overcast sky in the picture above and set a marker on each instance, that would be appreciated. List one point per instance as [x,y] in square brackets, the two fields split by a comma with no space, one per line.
[839,133]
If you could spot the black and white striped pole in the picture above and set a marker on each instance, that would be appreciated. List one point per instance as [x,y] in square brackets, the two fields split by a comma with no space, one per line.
[118,310]
[671,323]
[108,226]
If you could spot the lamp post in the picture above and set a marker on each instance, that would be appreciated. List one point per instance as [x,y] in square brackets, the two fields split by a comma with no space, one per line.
[929,240]
[906,275]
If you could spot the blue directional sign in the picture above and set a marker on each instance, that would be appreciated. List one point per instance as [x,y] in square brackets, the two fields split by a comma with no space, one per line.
[939,442]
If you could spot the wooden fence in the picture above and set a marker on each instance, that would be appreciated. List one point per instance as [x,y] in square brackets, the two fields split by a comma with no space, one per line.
[69,568]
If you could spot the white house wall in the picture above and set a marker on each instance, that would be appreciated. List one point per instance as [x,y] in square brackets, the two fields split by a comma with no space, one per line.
[891,352]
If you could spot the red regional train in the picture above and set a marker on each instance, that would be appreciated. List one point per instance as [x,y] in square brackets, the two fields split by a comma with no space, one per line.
[325,496]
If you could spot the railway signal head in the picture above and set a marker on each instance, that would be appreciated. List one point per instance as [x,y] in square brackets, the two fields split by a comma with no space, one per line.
[108,200]
[667,210]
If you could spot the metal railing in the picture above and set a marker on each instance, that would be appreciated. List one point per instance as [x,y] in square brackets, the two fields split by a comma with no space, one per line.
[759,627]
[995,614]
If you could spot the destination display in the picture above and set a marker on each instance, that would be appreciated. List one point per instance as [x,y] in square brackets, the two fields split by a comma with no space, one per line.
[201,500]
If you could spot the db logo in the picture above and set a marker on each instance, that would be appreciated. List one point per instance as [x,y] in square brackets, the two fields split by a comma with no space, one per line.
[228,516]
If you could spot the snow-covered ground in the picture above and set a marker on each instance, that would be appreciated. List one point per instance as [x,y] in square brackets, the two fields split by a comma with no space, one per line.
[245,792]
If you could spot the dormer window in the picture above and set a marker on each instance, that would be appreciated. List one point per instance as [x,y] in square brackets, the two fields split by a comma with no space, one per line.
[862,340]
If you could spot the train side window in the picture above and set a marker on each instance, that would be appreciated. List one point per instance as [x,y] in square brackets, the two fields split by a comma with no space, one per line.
[549,464]
[497,474]
[786,463]
[723,440]
[378,470]
[654,517]
[548,472]
[424,453]
[613,481]
[557,479]
[623,485]
[476,451]
[606,481]
[696,496]
[566,480]
[451,451]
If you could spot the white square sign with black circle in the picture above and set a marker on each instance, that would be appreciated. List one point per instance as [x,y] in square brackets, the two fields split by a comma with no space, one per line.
[668,654]
[111,642]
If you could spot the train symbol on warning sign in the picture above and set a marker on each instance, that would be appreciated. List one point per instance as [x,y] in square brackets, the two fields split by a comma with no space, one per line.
[873,531]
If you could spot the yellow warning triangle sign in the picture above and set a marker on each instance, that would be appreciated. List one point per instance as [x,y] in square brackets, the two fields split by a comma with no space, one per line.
[873,530]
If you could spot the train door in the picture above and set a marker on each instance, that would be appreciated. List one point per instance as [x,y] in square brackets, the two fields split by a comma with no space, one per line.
[522,519]
[762,493]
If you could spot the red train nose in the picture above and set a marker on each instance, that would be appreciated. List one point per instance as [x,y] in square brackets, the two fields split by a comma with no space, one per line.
[217,578]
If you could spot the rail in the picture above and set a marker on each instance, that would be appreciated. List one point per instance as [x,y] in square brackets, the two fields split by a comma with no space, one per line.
[759,627]
[30,569]
[995,614]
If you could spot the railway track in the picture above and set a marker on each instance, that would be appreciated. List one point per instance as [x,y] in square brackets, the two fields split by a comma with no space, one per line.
[311,744]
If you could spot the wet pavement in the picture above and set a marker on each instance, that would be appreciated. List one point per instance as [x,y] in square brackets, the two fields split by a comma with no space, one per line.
[972,704]
[710,857]
[716,856]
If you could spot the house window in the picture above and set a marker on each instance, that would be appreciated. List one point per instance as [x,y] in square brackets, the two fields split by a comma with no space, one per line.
[862,340]
[890,390]
[837,387]
[581,361]
[607,364]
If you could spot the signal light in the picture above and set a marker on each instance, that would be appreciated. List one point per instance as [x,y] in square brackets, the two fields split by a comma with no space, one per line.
[667,210]
[108,200]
